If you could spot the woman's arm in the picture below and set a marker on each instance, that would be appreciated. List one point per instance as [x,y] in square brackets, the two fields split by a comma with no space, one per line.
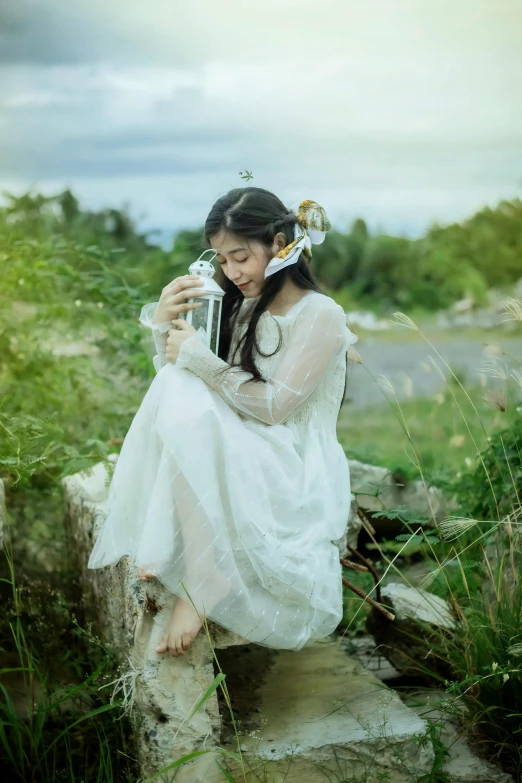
[318,334]
[159,333]
[171,304]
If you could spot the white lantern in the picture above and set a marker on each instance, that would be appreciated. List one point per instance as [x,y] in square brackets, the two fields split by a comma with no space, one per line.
[209,314]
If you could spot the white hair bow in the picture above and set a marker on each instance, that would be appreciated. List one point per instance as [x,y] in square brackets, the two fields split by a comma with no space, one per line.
[310,229]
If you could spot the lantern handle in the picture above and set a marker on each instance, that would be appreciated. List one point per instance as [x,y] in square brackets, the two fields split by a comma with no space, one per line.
[209,250]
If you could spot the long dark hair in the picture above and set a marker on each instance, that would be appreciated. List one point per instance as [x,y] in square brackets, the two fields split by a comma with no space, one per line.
[254,213]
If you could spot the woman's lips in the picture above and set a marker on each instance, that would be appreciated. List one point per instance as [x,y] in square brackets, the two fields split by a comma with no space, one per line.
[242,287]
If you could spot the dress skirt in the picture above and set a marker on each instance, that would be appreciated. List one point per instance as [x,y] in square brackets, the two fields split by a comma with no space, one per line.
[238,514]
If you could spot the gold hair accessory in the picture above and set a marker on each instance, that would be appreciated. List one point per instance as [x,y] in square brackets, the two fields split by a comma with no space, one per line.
[310,229]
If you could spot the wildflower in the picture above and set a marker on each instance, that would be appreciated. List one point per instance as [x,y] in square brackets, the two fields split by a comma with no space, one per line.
[453,527]
[468,461]
[496,399]
[494,667]
[78,302]
[494,369]
[428,579]
[505,677]
[403,320]
[100,305]
[353,355]
[434,364]
[21,281]
[513,308]
[385,385]
[126,685]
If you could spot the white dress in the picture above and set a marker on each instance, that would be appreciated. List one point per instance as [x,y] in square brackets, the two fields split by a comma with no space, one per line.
[234,490]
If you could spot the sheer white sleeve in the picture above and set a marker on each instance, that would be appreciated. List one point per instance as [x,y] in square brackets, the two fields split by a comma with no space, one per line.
[318,334]
[159,333]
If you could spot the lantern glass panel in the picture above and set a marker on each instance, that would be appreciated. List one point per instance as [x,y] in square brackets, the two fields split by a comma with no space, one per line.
[200,314]
[215,327]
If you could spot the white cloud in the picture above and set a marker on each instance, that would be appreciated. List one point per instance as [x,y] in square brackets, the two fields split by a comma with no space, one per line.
[402,111]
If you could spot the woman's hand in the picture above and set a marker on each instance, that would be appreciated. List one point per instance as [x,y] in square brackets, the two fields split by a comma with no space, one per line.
[176,337]
[172,300]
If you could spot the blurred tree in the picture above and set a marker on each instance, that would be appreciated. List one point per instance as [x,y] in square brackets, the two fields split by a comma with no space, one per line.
[386,269]
[356,243]
[69,205]
[188,246]
[382,271]
[439,278]
[337,260]
[490,241]
[120,226]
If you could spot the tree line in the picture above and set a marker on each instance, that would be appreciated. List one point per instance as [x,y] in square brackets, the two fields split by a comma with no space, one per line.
[359,268]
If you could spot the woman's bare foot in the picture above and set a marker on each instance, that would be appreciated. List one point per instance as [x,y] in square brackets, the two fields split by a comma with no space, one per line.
[185,623]
[145,576]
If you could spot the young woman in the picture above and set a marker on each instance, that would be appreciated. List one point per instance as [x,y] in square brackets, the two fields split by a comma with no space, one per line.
[231,485]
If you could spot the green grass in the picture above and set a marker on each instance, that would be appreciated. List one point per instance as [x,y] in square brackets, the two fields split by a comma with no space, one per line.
[65,417]
[375,434]
[475,450]
[56,726]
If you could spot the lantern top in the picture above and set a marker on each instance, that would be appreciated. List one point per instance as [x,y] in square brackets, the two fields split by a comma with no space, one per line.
[206,270]
[203,267]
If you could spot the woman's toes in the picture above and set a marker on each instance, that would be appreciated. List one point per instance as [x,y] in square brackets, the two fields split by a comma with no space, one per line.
[163,646]
[144,575]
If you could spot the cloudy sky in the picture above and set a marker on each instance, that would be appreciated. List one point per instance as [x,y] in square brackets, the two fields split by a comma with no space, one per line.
[404,112]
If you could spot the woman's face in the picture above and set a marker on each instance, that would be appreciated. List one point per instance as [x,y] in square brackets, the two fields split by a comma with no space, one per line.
[244,264]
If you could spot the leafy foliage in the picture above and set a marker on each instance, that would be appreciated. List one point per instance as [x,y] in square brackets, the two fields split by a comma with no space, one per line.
[56,723]
[74,369]
[501,461]
[445,265]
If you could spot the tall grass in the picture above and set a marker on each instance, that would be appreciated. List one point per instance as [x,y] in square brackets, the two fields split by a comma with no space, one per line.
[474,559]
[55,728]
[68,732]
[485,650]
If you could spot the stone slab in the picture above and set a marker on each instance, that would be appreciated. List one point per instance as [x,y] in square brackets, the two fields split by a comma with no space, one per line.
[320,711]
[320,714]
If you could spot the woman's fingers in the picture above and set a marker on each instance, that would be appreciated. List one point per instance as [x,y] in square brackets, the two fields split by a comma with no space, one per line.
[181,283]
[187,306]
[177,306]
[187,293]
[172,301]
[175,311]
